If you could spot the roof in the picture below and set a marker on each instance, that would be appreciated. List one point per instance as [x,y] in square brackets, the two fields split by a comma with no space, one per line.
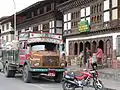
[34,5]
[40,3]
[5,19]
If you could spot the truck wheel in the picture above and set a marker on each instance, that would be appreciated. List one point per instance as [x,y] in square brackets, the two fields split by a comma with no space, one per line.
[27,75]
[58,77]
[9,73]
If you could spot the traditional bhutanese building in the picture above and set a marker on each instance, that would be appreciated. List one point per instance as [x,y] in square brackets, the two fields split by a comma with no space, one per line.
[92,23]
[42,17]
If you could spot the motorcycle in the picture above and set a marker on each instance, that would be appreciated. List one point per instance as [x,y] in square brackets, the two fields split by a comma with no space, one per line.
[88,79]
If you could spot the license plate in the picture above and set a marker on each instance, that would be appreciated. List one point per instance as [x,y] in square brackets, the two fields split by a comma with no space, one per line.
[51,74]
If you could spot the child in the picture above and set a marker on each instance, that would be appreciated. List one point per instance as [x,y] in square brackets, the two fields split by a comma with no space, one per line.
[94,62]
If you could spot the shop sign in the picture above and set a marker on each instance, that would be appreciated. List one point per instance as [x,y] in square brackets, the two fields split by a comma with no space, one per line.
[49,40]
[83,26]
[23,36]
[36,35]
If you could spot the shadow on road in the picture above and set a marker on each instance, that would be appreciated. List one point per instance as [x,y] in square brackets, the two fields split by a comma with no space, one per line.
[41,80]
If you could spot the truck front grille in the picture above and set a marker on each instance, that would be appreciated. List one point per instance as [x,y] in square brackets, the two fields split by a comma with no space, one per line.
[50,60]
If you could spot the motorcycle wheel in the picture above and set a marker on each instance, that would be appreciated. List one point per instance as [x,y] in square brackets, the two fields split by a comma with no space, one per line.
[98,85]
[68,86]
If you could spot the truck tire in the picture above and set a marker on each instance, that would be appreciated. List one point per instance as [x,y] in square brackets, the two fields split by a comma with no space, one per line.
[58,77]
[27,75]
[9,73]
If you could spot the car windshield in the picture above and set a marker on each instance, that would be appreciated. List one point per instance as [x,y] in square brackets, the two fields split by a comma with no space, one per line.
[38,47]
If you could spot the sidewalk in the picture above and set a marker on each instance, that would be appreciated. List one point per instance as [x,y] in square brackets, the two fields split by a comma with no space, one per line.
[111,84]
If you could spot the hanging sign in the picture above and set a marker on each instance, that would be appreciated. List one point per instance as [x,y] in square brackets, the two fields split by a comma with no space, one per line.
[23,36]
[83,26]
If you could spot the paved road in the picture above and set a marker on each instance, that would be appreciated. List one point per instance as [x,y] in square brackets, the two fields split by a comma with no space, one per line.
[17,84]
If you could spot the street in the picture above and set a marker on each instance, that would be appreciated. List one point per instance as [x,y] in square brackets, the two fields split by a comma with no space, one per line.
[17,84]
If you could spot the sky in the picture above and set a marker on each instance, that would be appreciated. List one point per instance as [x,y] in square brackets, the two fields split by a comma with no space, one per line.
[7,6]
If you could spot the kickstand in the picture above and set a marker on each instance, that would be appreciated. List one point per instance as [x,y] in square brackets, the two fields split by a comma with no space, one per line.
[82,88]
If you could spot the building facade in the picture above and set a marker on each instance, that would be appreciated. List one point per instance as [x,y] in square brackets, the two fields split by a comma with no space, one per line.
[92,23]
[7,32]
[41,17]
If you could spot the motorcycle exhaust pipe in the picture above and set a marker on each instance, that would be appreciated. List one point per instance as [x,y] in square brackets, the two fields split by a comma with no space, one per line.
[72,82]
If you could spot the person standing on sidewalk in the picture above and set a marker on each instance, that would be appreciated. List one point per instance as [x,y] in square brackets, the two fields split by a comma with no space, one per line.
[87,54]
[93,61]
[99,55]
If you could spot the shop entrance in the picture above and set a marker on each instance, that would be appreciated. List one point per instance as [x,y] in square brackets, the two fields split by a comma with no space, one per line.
[81,46]
[76,49]
[101,45]
[94,47]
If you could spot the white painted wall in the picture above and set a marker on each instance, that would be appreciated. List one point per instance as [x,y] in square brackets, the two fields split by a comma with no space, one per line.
[6,30]
[5,27]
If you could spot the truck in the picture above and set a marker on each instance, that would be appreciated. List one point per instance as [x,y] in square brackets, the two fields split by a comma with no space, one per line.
[34,54]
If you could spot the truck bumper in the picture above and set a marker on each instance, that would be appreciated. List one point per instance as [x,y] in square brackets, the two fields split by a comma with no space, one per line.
[47,69]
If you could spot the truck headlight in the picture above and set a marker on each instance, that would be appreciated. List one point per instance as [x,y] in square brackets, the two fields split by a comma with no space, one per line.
[36,63]
[62,64]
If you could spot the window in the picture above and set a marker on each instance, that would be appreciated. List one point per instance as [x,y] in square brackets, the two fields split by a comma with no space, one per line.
[106,5]
[100,7]
[51,27]
[35,13]
[106,16]
[6,38]
[92,9]
[65,17]
[3,28]
[7,26]
[74,24]
[69,17]
[65,26]
[48,7]
[75,15]
[35,28]
[67,21]
[114,3]
[114,14]
[95,8]
[40,27]
[38,47]
[83,12]
[69,25]
[87,11]
[41,10]
[45,26]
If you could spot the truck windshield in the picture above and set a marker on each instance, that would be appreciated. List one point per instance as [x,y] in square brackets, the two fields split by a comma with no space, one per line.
[38,47]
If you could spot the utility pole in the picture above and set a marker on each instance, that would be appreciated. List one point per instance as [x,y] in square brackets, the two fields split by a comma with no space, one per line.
[14,20]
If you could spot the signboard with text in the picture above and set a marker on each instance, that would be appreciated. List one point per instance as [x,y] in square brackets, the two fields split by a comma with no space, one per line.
[33,37]
[45,35]
[49,40]
[83,26]
[23,36]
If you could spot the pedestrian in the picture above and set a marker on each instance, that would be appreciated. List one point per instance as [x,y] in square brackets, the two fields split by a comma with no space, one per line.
[64,62]
[93,61]
[99,55]
[87,53]
[81,58]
